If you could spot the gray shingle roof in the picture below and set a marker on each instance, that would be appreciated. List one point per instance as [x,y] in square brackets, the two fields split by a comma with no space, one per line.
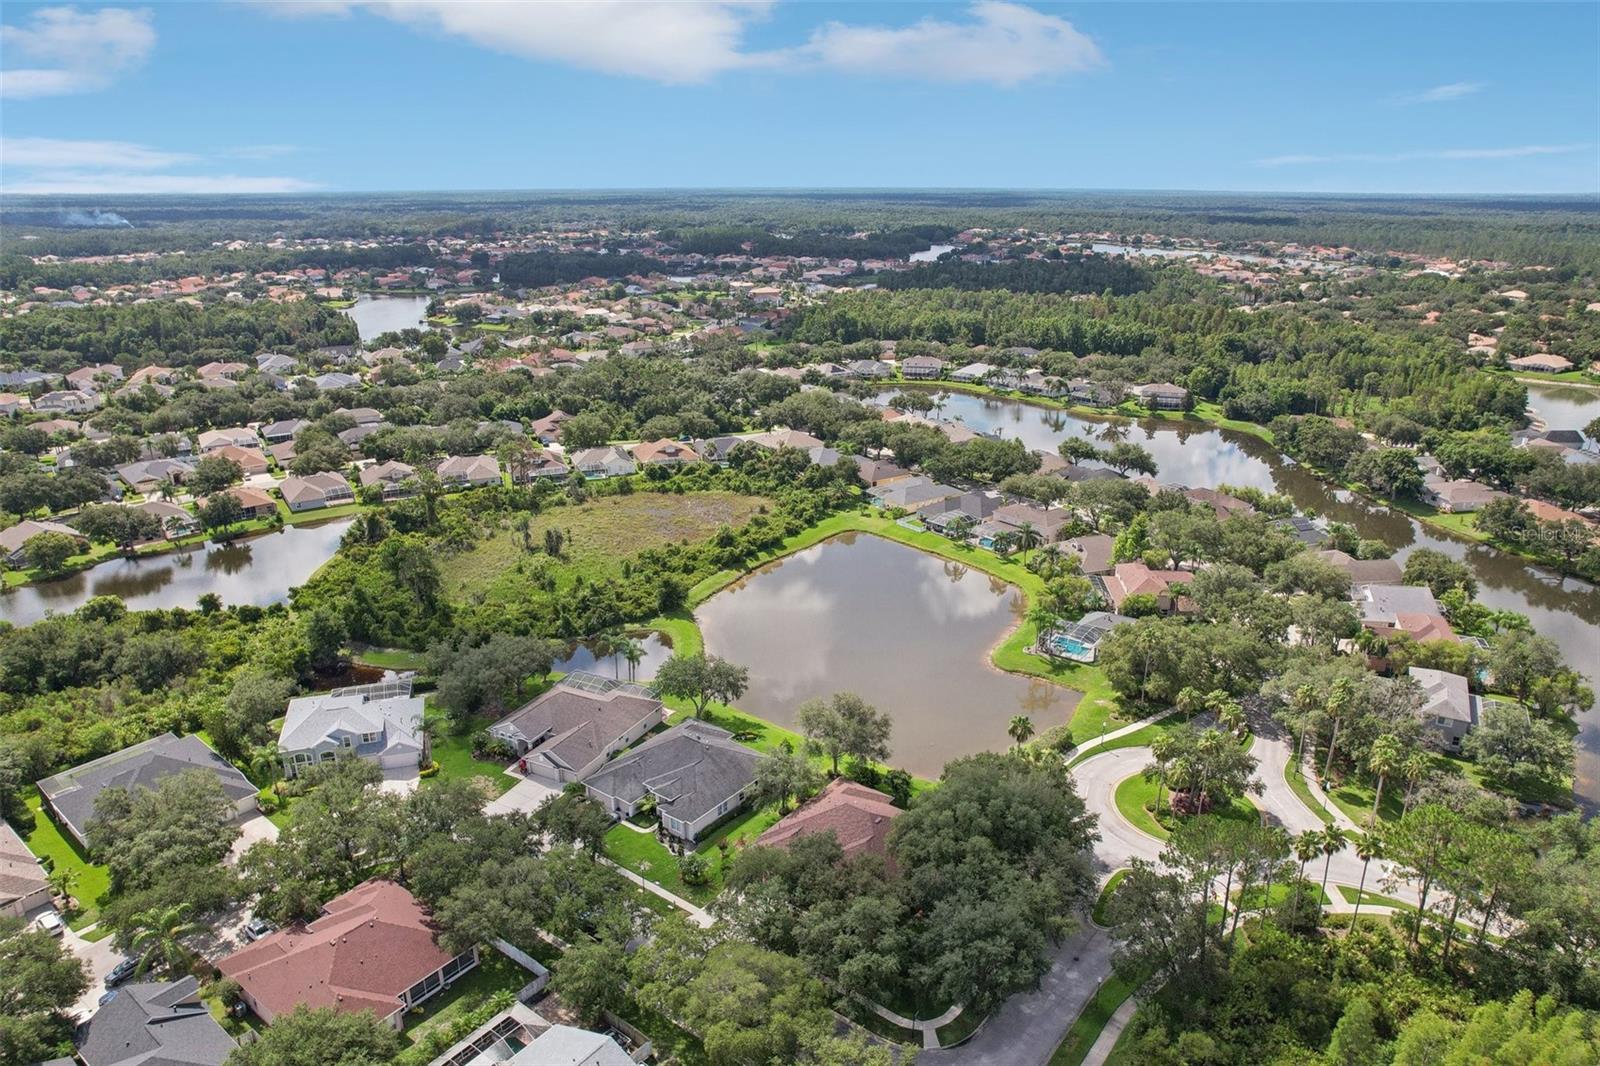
[155,1024]
[690,768]
[73,793]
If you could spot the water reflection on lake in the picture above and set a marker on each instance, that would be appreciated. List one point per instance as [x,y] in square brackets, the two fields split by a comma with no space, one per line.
[930,253]
[1566,610]
[1563,406]
[908,632]
[384,314]
[257,570]
[655,648]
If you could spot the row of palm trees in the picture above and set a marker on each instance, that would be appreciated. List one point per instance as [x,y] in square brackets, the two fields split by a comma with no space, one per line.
[1328,842]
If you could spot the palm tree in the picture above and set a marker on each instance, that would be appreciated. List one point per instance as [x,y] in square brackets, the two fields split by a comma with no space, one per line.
[1027,536]
[1162,748]
[1333,842]
[1043,618]
[1338,703]
[160,937]
[1307,846]
[1387,756]
[1414,769]
[603,645]
[1191,701]
[1368,847]
[632,651]
[1020,728]
[1305,702]
[961,527]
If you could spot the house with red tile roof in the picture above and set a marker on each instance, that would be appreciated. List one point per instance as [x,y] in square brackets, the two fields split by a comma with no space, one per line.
[1137,579]
[375,948]
[859,818]
[664,453]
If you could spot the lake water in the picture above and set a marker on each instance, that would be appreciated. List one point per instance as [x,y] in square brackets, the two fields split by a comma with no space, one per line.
[656,651]
[1566,610]
[908,632]
[258,570]
[930,253]
[1563,406]
[374,315]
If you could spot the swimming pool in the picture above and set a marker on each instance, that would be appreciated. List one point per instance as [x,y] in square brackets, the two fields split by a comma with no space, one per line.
[1068,646]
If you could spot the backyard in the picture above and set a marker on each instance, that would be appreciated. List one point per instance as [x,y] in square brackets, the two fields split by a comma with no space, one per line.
[646,856]
[88,881]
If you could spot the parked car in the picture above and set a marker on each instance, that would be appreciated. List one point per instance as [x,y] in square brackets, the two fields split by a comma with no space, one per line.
[256,928]
[50,922]
[121,972]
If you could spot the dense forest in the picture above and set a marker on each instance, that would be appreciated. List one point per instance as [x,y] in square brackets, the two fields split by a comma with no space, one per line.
[1072,273]
[537,269]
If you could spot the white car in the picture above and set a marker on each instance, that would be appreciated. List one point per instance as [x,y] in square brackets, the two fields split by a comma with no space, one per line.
[50,922]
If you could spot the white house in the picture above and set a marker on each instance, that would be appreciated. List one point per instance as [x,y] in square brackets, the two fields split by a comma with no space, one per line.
[381,722]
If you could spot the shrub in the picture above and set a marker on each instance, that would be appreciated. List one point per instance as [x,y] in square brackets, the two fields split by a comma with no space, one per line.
[694,868]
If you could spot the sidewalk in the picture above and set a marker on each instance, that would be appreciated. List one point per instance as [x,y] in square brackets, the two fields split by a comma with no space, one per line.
[929,1029]
[697,915]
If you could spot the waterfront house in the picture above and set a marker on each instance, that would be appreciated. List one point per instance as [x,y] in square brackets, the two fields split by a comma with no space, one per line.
[697,774]
[313,491]
[1093,394]
[603,462]
[1161,396]
[1388,610]
[471,471]
[1457,496]
[1363,571]
[945,516]
[175,521]
[380,722]
[858,817]
[147,474]
[972,373]
[14,539]
[373,949]
[664,452]
[1449,710]
[875,472]
[1137,579]
[1080,641]
[71,795]
[1539,362]
[255,503]
[566,733]
[869,369]
[921,368]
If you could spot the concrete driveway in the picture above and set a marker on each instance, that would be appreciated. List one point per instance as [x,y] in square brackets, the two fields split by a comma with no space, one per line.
[402,781]
[98,958]
[525,795]
[252,830]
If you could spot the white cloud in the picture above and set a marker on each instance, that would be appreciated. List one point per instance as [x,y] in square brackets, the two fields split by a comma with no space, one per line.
[1521,151]
[1442,93]
[1003,44]
[682,42]
[48,166]
[76,51]
[691,41]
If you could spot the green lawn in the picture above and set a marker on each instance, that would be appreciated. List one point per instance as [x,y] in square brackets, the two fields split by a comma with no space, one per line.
[1372,899]
[1106,893]
[1255,899]
[1297,783]
[648,857]
[964,1025]
[1092,1019]
[390,658]
[1136,801]
[454,755]
[89,882]
[494,973]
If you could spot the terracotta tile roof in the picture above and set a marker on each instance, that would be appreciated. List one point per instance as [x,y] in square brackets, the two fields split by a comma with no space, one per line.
[858,816]
[369,946]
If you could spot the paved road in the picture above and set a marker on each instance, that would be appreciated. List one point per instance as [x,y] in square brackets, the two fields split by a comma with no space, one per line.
[1098,778]
[1027,1027]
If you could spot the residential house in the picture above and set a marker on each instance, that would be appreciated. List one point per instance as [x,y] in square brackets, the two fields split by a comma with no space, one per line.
[67,401]
[946,517]
[148,474]
[155,1023]
[313,491]
[548,428]
[14,539]
[566,733]
[251,460]
[1221,504]
[568,1045]
[1363,571]
[664,452]
[254,503]
[215,370]
[1161,396]
[544,465]
[361,416]
[12,403]
[274,362]
[335,379]
[353,436]
[1080,641]
[380,722]
[472,471]
[1046,522]
[778,439]
[280,431]
[1093,394]
[374,948]
[1305,530]
[175,521]
[877,472]
[921,368]
[911,493]
[71,795]
[216,439]
[830,371]
[93,378]
[696,773]
[858,817]
[607,461]
[24,884]
[1457,496]
[1388,610]
[719,449]
[1540,362]
[1449,710]
[871,369]
[1038,383]
[395,477]
[972,373]
[1137,579]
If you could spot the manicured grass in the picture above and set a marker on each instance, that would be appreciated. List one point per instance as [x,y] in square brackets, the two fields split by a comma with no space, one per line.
[598,534]
[1297,783]
[1092,1019]
[454,755]
[1255,899]
[494,973]
[1138,738]
[60,852]
[1372,899]
[1136,801]
[649,858]
[390,658]
[1106,893]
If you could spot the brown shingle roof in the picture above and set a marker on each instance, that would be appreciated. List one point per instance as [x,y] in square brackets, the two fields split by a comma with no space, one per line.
[858,816]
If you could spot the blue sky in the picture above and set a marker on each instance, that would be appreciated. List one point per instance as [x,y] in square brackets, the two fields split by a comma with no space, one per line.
[349,95]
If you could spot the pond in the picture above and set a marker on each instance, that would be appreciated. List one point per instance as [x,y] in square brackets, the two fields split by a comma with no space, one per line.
[384,314]
[930,253]
[656,650]
[1566,610]
[258,570]
[908,632]
[1563,406]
